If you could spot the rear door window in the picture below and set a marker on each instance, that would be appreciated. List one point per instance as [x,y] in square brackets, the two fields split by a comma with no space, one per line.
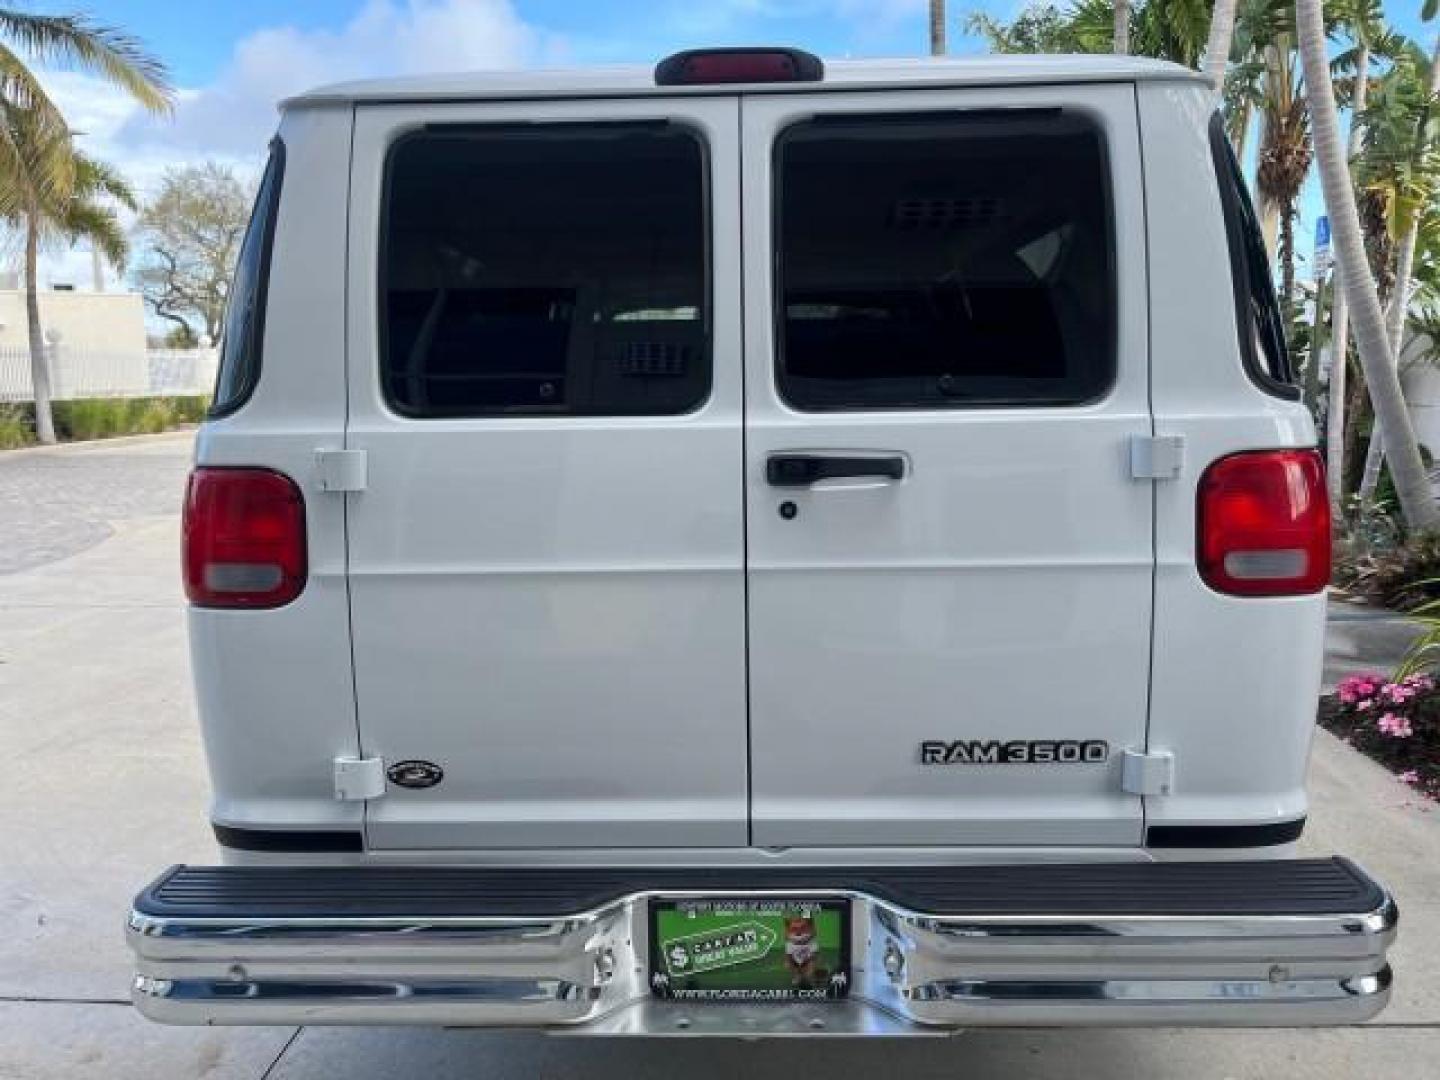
[938,260]
[545,270]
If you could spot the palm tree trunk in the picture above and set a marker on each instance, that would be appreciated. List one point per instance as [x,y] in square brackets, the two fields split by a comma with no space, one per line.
[1242,136]
[1312,363]
[1287,258]
[1217,48]
[1270,225]
[1417,501]
[1121,40]
[1357,410]
[39,362]
[1268,208]
[1340,316]
[1400,300]
[1336,417]
[937,27]
[1394,333]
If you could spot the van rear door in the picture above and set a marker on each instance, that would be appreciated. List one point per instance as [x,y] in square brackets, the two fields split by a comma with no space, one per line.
[950,562]
[546,561]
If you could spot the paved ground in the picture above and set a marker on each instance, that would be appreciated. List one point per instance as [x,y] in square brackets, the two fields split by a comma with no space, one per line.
[1361,638]
[105,786]
[53,505]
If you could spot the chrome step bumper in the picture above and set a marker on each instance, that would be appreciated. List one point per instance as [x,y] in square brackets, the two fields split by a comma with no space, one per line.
[246,946]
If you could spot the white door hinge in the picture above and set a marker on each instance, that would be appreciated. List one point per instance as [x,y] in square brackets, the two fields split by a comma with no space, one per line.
[1157,457]
[1147,774]
[359,778]
[341,470]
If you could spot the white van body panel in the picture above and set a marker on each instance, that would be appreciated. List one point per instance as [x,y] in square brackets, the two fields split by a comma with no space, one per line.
[635,80]
[275,696]
[606,617]
[553,608]
[1235,680]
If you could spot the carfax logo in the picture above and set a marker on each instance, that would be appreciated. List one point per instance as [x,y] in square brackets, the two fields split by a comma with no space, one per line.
[1015,752]
[722,947]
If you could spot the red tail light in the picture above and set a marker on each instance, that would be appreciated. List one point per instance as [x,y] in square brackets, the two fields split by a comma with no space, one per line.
[244,538]
[1263,524]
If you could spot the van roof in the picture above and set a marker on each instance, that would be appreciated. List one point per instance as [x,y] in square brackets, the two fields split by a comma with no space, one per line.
[637,80]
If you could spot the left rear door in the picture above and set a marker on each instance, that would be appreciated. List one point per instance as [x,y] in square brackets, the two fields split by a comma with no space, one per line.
[546,564]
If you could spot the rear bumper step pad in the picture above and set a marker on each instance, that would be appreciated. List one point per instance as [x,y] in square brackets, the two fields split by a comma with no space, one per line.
[1269,942]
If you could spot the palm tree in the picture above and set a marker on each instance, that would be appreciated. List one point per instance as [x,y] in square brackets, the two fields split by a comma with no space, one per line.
[1374,207]
[1423,180]
[1417,501]
[1243,93]
[1363,20]
[38,164]
[1285,156]
[1257,23]
[1167,29]
[77,42]
[1217,45]
[1402,164]
[49,215]
[937,27]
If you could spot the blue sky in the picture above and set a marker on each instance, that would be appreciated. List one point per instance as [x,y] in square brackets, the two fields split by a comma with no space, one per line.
[198,38]
[233,61]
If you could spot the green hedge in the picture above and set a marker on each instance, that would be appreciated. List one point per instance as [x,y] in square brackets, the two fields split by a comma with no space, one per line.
[16,428]
[102,418]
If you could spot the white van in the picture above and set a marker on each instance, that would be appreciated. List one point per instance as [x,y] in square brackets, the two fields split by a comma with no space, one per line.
[758,546]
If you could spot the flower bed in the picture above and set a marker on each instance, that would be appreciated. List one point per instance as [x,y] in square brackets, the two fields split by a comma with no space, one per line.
[1395,722]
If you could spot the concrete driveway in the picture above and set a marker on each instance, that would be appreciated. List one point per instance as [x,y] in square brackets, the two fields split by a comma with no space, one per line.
[105,786]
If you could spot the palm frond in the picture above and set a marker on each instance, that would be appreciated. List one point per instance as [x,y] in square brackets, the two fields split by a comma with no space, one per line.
[79,41]
[84,220]
[37,162]
[24,100]
[94,178]
[20,87]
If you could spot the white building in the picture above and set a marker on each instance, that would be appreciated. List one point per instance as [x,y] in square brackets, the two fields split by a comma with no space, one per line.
[96,340]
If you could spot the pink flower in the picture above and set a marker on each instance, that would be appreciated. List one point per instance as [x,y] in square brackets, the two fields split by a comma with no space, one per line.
[1409,776]
[1395,726]
[1397,693]
[1367,703]
[1355,688]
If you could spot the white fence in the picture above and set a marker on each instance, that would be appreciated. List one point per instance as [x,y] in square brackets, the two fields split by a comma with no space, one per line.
[87,373]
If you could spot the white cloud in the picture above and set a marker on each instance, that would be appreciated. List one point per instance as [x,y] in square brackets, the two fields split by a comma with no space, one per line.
[232,118]
[387,37]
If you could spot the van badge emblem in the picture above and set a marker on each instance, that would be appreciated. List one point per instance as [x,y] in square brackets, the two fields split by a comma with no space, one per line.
[1014,752]
[415,774]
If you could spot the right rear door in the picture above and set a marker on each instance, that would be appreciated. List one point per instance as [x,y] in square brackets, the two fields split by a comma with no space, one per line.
[946,366]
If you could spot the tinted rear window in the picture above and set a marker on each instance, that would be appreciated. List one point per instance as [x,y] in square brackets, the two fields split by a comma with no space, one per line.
[242,333]
[544,270]
[1260,323]
[940,260]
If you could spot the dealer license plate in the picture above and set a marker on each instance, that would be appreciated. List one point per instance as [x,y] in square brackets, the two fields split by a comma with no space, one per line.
[750,949]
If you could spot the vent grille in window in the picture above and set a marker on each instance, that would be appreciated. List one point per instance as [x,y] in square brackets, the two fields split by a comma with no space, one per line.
[654,358]
[931,214]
